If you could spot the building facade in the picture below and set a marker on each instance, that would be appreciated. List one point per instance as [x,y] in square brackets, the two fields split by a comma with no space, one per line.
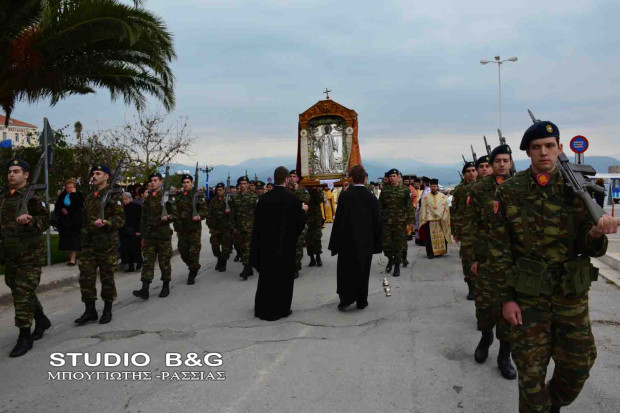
[18,132]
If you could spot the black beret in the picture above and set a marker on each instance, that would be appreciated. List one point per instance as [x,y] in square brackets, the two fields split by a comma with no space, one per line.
[293,172]
[187,176]
[501,150]
[252,182]
[155,174]
[468,165]
[393,171]
[100,167]
[434,181]
[269,184]
[483,159]
[220,185]
[259,184]
[540,130]
[18,162]
[242,179]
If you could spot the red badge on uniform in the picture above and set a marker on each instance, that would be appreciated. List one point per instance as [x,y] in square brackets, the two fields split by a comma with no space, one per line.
[468,199]
[499,180]
[495,206]
[542,179]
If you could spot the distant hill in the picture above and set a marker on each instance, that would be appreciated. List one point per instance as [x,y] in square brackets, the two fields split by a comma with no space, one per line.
[376,167]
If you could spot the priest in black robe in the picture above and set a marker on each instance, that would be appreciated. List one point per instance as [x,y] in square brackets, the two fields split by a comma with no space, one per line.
[356,236]
[279,219]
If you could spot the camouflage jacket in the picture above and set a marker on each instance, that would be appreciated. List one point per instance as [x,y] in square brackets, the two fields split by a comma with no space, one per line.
[459,199]
[242,208]
[315,200]
[151,225]
[106,237]
[185,212]
[217,218]
[557,229]
[395,205]
[20,242]
[302,193]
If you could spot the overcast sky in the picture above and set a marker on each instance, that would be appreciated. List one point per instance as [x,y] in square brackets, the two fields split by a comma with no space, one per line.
[410,69]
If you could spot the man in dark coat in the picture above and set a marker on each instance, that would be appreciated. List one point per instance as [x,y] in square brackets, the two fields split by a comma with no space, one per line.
[279,219]
[356,235]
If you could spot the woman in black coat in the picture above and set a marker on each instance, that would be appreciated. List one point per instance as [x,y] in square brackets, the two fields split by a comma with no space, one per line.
[69,217]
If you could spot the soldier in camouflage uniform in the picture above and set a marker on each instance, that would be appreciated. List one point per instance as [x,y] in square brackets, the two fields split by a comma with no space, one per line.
[188,225]
[397,212]
[259,188]
[218,221]
[460,201]
[541,239]
[304,196]
[100,234]
[23,251]
[475,232]
[315,227]
[156,237]
[242,208]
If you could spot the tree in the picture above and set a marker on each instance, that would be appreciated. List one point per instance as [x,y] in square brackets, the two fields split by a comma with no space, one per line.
[57,48]
[151,141]
[77,128]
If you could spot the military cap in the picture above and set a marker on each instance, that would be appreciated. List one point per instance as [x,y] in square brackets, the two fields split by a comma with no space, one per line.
[155,174]
[18,162]
[252,182]
[393,171]
[100,167]
[540,130]
[468,165]
[187,176]
[259,184]
[434,181]
[269,184]
[220,185]
[483,159]
[501,150]
[293,172]
[242,179]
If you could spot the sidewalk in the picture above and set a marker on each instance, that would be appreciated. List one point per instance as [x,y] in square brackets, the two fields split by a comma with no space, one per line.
[60,275]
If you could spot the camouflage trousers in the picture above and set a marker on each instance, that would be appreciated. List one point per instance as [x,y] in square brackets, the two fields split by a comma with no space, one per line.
[189,247]
[221,242]
[394,240]
[299,248]
[162,252]
[314,233]
[88,274]
[489,307]
[555,327]
[466,261]
[23,280]
[244,238]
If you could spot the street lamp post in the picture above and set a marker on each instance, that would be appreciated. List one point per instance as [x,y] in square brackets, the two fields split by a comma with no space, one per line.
[499,63]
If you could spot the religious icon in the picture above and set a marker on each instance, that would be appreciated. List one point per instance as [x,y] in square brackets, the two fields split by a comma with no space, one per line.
[326,148]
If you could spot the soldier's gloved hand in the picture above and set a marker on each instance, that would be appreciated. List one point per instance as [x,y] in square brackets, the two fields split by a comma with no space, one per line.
[24,219]
[606,225]
[196,218]
[164,218]
[512,313]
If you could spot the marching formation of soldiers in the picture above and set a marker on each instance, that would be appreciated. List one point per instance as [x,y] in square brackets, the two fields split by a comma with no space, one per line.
[525,242]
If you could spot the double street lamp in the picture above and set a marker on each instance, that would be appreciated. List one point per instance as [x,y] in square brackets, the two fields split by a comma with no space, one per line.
[498,61]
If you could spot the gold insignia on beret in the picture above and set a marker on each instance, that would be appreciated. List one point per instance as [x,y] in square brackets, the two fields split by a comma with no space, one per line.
[549,128]
[508,149]
[15,162]
[99,167]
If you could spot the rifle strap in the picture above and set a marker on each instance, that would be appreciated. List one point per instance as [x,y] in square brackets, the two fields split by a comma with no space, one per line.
[522,188]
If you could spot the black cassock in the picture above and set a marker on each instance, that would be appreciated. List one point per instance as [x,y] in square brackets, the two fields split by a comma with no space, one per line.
[356,235]
[278,222]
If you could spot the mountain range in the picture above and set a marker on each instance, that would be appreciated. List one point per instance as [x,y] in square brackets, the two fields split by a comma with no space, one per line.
[376,167]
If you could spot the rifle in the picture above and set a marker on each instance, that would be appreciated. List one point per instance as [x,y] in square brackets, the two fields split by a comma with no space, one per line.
[576,179]
[464,160]
[165,194]
[487,145]
[33,186]
[502,141]
[196,193]
[227,194]
[473,153]
[112,186]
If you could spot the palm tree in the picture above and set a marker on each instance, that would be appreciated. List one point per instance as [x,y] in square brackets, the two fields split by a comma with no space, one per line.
[77,128]
[57,48]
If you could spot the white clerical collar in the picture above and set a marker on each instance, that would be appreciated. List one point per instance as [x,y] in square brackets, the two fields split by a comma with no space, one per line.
[358,185]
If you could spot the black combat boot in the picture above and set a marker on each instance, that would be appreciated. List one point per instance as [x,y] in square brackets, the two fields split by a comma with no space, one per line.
[130,268]
[554,409]
[165,289]
[312,261]
[144,291]
[106,315]
[247,272]
[405,261]
[24,343]
[237,258]
[503,361]
[218,266]
[396,270]
[41,323]
[223,266]
[192,277]
[319,263]
[90,314]
[471,294]
[388,267]
[482,351]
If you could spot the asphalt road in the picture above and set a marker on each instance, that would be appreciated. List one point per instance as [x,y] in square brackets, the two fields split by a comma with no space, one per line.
[412,352]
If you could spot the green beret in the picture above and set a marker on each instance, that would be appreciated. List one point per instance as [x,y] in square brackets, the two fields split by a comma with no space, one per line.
[539,130]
